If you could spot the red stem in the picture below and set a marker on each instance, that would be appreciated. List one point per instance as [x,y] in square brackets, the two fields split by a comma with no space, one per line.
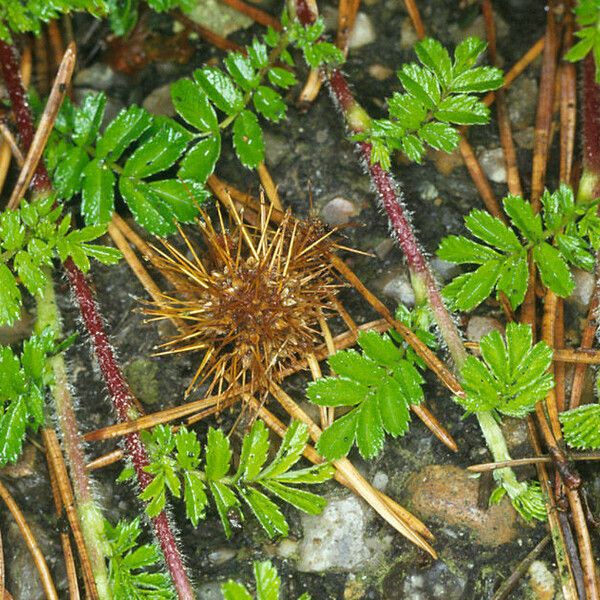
[591,117]
[118,388]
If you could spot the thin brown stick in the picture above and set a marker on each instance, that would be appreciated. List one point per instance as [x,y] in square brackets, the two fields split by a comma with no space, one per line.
[9,139]
[311,88]
[259,16]
[559,367]
[57,94]
[347,11]
[269,186]
[65,541]
[56,42]
[504,125]
[504,591]
[209,36]
[57,465]
[415,17]
[532,460]
[32,545]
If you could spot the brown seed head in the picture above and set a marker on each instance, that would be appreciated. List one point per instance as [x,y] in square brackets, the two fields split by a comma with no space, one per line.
[252,303]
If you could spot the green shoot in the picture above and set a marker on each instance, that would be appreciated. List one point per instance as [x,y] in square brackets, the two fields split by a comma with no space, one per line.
[175,464]
[30,239]
[380,385]
[563,235]
[513,376]
[266,582]
[581,426]
[23,382]
[439,96]
[510,380]
[587,14]
[123,14]
[134,569]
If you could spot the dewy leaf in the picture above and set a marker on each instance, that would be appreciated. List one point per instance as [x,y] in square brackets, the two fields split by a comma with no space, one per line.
[122,131]
[461,250]
[492,231]
[232,590]
[218,454]
[194,496]
[521,214]
[13,424]
[477,286]
[254,452]
[336,441]
[10,297]
[248,139]
[379,348]
[351,364]
[180,196]
[88,118]
[581,426]
[267,581]
[242,71]
[463,110]
[467,53]
[157,154]
[97,194]
[333,391]
[269,103]
[199,163]
[394,411]
[67,176]
[192,104]
[370,435]
[220,89]
[478,79]
[421,84]
[433,55]
[553,269]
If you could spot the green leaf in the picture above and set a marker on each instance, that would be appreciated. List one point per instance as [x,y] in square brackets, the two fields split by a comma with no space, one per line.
[192,104]
[220,89]
[88,118]
[440,136]
[421,84]
[463,110]
[301,499]
[574,250]
[336,391]
[232,590]
[68,174]
[10,297]
[180,196]
[461,250]
[467,53]
[433,55]
[122,131]
[156,154]
[513,279]
[13,424]
[350,364]
[225,501]
[281,77]
[290,451]
[478,79]
[413,147]
[97,195]
[266,511]
[218,454]
[492,231]
[269,103]
[394,411]
[581,426]
[267,581]
[30,274]
[255,448]
[336,441]
[147,208]
[248,139]
[521,214]
[370,435]
[477,286]
[194,496]
[199,163]
[379,348]
[242,71]
[554,272]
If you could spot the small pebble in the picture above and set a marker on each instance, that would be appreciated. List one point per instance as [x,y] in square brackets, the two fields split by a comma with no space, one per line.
[480,326]
[428,191]
[541,580]
[339,211]
[384,248]
[584,288]
[363,32]
[159,101]
[380,72]
[221,555]
[408,35]
[492,162]
[444,270]
[380,481]
[398,288]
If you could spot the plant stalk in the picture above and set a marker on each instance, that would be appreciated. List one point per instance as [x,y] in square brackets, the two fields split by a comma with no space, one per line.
[89,513]
[118,388]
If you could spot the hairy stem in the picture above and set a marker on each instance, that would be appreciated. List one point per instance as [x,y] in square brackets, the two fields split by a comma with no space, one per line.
[589,185]
[118,388]
[89,513]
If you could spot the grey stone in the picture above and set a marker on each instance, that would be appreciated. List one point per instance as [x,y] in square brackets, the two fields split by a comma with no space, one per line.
[398,288]
[335,538]
[363,32]
[522,102]
[480,326]
[541,580]
[444,270]
[492,162]
[584,288]
[159,101]
[339,211]
[98,76]
[218,17]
